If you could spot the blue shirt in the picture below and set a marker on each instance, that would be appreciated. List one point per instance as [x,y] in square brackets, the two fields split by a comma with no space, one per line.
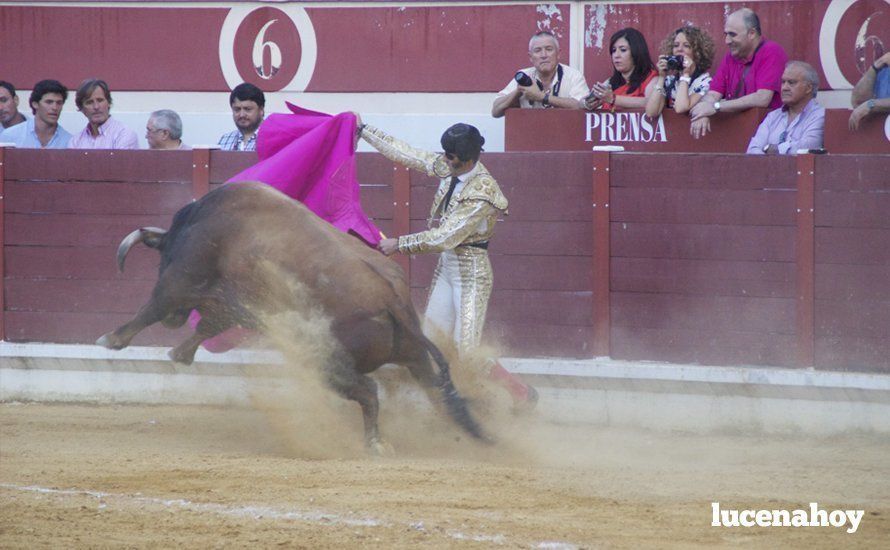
[882,83]
[24,136]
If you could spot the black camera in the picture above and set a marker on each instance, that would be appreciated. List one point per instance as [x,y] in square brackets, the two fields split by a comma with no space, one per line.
[674,62]
[522,79]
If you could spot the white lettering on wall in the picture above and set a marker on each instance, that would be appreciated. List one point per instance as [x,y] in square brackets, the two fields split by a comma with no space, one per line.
[624,127]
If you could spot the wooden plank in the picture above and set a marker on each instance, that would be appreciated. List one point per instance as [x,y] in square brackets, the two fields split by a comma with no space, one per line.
[852,173]
[600,259]
[703,347]
[853,353]
[706,313]
[78,197]
[373,169]
[703,277]
[854,209]
[857,246]
[226,164]
[539,203]
[806,260]
[703,206]
[200,172]
[869,319]
[82,328]
[75,229]
[696,171]
[536,238]
[75,262]
[856,283]
[535,340]
[3,206]
[98,165]
[401,199]
[541,307]
[703,242]
[78,295]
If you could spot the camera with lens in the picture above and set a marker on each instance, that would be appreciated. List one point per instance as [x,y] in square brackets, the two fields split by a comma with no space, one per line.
[522,79]
[674,62]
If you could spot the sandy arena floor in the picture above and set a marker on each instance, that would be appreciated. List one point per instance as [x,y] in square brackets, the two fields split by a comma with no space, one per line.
[77,476]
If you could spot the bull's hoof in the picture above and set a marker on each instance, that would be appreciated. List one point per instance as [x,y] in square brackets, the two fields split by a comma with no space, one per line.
[379,447]
[182,357]
[110,341]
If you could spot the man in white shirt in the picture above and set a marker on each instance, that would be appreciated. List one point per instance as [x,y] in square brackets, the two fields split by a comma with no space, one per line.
[550,84]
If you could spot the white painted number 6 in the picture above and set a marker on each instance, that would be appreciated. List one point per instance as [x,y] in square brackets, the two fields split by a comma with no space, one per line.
[259,47]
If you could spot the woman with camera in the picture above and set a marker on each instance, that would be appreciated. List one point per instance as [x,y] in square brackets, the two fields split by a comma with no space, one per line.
[631,81]
[687,54]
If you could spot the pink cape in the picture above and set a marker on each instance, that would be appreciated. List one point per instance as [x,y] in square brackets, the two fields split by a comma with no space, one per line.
[310,157]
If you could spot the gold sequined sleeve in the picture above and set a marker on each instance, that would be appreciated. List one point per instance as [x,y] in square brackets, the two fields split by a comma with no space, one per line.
[462,222]
[396,150]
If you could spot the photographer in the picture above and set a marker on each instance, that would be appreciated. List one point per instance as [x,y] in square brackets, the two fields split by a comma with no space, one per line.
[687,54]
[547,84]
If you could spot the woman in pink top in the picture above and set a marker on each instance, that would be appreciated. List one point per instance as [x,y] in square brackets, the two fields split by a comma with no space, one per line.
[632,79]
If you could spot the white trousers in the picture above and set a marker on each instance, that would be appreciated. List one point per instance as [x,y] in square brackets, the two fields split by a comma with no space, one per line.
[458,298]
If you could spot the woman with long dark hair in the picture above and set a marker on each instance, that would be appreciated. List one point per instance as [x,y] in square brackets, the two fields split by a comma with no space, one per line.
[633,75]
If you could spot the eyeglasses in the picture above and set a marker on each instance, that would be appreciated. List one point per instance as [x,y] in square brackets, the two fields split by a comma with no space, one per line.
[450,156]
[153,130]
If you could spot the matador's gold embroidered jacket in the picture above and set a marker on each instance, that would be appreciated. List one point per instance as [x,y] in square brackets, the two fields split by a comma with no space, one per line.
[471,214]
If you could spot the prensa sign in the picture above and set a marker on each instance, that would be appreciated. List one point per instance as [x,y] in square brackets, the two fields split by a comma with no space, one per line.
[624,126]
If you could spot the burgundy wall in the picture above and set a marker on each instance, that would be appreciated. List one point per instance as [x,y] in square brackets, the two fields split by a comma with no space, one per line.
[704,250]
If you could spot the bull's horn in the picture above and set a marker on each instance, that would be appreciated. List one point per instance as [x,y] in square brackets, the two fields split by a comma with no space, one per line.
[149,235]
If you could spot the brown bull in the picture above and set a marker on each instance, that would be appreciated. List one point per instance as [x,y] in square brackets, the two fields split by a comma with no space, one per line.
[225,255]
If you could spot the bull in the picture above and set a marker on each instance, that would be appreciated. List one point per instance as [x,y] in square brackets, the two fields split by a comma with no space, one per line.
[224,256]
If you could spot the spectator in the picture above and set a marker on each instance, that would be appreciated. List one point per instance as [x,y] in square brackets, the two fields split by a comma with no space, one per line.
[164,130]
[552,84]
[749,75]
[800,122]
[43,131]
[93,99]
[247,103]
[682,87]
[9,106]
[633,77]
[872,93]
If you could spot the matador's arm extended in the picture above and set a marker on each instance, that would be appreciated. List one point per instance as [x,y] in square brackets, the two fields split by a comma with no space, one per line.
[431,164]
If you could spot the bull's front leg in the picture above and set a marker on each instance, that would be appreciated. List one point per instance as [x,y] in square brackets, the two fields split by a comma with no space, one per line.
[184,353]
[150,314]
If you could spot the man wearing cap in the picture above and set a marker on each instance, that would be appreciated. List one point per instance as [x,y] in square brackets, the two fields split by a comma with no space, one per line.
[466,205]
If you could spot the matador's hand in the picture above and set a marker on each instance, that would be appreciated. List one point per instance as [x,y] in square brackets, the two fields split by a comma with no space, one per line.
[388,246]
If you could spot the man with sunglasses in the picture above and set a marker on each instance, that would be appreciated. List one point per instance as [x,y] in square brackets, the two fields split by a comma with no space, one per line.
[466,205]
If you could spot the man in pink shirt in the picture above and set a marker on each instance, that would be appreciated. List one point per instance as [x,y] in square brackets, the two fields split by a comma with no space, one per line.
[749,76]
[93,99]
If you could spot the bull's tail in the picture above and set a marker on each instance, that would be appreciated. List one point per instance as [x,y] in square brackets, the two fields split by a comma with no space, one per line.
[152,237]
[455,404]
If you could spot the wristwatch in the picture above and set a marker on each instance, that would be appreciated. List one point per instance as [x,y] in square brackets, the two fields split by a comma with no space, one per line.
[546,100]
[717,106]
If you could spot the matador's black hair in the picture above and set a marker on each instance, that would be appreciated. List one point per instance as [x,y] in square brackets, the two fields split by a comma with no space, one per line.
[463,140]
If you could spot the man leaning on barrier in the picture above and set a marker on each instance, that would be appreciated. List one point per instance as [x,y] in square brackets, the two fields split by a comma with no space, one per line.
[800,122]
[163,131]
[871,95]
[547,83]
[749,75]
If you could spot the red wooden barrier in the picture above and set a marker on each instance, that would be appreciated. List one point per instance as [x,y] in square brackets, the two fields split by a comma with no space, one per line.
[2,247]
[685,258]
